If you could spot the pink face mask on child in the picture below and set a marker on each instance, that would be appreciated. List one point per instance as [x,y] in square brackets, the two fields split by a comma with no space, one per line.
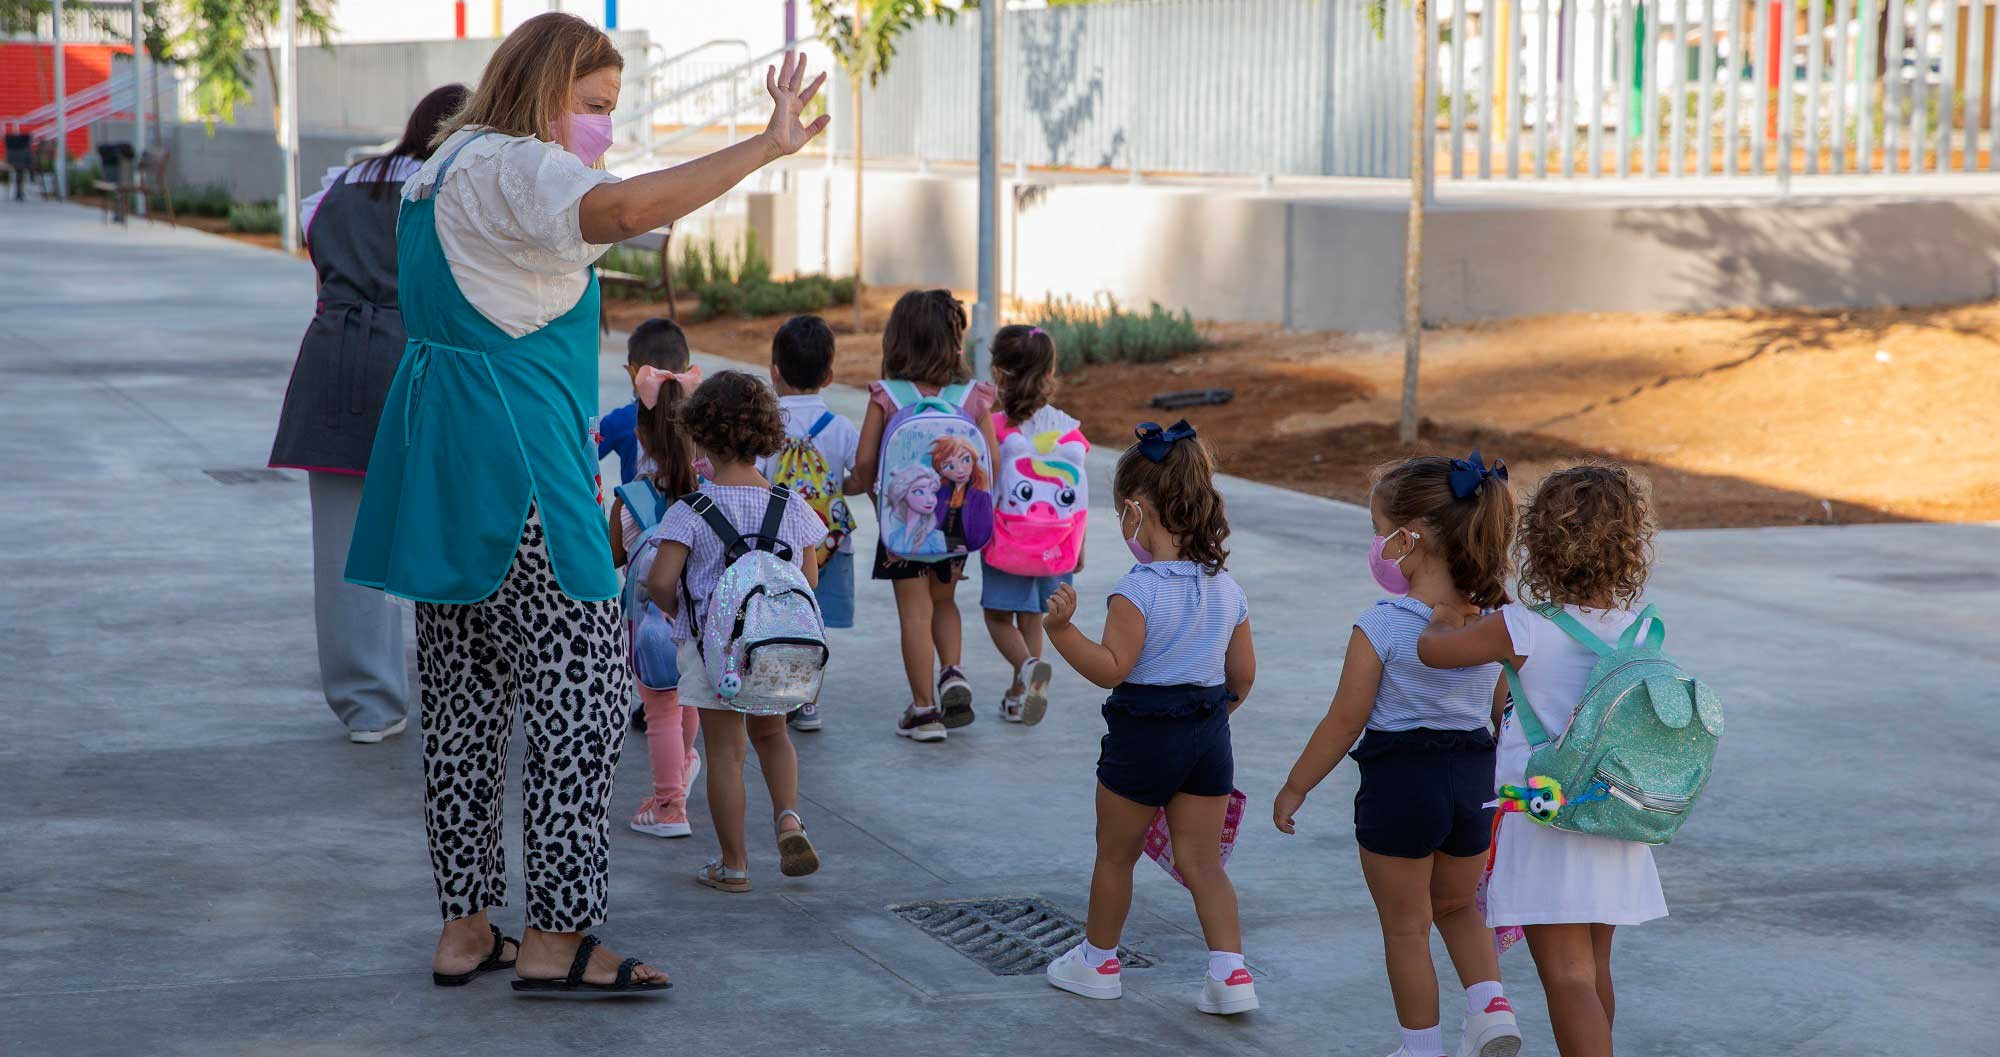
[588,136]
[1388,573]
[1139,551]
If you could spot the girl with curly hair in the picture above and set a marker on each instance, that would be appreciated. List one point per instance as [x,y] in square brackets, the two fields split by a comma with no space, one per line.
[1443,532]
[734,420]
[1177,656]
[1586,547]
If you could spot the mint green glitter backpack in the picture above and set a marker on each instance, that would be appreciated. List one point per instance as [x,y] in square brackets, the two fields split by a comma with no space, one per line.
[1638,749]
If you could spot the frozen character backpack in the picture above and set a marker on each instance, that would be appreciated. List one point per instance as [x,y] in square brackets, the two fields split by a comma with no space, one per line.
[802,467]
[1043,495]
[1639,747]
[649,635]
[916,499]
[759,630]
[965,506]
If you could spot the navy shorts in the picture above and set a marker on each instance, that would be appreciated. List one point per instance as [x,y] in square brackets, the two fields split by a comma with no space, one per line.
[1163,741]
[1424,791]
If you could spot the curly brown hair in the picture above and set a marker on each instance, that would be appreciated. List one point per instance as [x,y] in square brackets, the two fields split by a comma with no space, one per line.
[1474,534]
[1024,363]
[1182,490]
[1587,538]
[925,339]
[733,416]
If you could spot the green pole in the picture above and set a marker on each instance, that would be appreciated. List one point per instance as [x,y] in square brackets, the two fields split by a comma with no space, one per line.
[1638,65]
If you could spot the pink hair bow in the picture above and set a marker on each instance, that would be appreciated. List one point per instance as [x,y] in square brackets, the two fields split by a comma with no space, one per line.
[649,380]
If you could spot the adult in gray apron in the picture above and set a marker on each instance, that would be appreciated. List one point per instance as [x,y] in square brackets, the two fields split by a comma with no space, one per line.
[327,427]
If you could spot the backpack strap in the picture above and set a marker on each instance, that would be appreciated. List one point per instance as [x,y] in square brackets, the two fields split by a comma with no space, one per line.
[825,420]
[1574,628]
[956,395]
[901,393]
[1524,713]
[774,522]
[734,546]
[648,513]
[1656,630]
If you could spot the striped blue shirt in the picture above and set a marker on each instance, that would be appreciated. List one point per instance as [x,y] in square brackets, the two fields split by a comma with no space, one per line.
[1413,694]
[1190,616]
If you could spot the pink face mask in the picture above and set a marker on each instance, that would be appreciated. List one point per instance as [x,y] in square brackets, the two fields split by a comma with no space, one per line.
[1139,551]
[1388,573]
[587,136]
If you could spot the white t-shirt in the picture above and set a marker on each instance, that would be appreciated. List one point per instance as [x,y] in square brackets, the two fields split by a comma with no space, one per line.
[839,442]
[1555,676]
[508,220]
[401,168]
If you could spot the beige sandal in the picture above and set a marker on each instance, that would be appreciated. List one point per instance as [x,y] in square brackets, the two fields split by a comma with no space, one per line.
[796,857]
[722,878]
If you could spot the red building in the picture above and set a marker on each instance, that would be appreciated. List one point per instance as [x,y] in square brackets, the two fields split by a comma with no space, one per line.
[28,79]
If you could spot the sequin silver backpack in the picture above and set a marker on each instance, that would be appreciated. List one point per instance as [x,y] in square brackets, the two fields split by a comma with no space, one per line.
[1639,747]
[759,630]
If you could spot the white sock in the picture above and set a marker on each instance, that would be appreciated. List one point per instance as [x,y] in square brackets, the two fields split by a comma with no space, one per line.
[1480,995]
[1222,963]
[1096,956]
[1426,1042]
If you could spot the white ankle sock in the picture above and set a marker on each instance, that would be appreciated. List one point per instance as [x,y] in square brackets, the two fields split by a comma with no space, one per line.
[1096,956]
[1428,1042]
[1480,995]
[1222,963]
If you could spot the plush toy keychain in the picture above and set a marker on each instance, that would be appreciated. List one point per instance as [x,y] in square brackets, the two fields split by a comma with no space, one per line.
[1540,801]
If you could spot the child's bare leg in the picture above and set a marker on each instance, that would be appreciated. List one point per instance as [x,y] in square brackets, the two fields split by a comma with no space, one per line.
[1031,633]
[946,633]
[1402,891]
[1567,963]
[1009,641]
[1600,946]
[780,764]
[1121,839]
[1454,880]
[913,614]
[723,731]
[1195,824]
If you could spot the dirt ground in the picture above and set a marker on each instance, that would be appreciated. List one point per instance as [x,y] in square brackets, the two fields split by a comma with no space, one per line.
[1740,418]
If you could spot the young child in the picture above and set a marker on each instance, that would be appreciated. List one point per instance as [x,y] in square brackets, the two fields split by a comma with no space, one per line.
[1178,659]
[733,418]
[1042,453]
[922,345]
[669,468]
[1443,530]
[658,343]
[818,454]
[1586,545]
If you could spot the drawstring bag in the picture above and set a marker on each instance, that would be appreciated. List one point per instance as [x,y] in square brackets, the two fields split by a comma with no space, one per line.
[1160,843]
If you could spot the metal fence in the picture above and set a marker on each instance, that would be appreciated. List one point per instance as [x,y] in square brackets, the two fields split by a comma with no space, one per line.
[1520,88]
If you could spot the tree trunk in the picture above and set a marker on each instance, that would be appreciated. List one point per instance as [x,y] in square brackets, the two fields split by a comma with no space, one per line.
[1413,242]
[860,38]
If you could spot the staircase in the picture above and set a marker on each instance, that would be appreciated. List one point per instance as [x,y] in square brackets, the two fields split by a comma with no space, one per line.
[27,88]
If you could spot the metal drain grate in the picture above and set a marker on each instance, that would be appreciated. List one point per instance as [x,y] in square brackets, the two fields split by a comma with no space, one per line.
[1010,937]
[259,475]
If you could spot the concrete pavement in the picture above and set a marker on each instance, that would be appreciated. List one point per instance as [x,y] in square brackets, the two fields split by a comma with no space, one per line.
[197,862]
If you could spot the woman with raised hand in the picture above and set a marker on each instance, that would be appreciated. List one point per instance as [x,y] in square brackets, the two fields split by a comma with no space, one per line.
[481,501]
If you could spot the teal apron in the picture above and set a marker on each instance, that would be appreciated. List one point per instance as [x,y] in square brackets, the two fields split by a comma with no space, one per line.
[477,428]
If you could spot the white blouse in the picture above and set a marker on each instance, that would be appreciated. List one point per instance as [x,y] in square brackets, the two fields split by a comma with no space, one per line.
[508,220]
[401,168]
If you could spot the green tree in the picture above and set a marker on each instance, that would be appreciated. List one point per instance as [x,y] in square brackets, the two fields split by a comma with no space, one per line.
[215,39]
[862,35]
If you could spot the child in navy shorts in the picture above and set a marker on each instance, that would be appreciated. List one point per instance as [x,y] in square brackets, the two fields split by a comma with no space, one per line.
[1443,531]
[1178,659]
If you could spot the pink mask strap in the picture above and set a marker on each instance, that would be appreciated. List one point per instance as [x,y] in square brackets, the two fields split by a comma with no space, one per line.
[649,380]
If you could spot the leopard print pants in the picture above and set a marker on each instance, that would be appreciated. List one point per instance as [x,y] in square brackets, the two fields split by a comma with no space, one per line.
[528,649]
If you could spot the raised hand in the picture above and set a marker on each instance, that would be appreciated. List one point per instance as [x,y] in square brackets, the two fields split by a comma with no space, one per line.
[785,132]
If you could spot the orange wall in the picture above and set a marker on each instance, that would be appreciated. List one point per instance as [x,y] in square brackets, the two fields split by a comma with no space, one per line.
[28,77]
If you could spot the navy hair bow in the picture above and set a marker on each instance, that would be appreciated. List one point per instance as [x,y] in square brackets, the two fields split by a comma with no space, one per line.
[1468,473]
[1156,443]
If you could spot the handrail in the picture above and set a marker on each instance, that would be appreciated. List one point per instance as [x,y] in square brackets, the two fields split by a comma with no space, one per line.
[686,91]
[76,100]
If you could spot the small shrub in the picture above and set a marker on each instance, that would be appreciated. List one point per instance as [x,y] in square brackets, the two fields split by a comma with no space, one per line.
[254,218]
[842,290]
[209,201]
[755,267]
[1087,333]
[766,299]
[691,273]
[719,299]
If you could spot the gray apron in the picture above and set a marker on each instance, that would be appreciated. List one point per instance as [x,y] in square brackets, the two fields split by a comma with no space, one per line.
[351,351]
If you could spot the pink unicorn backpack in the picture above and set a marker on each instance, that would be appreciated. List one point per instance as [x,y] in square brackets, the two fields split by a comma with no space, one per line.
[1041,493]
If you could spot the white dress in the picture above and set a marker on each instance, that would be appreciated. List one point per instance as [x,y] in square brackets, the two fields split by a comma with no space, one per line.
[1547,876]
[507,218]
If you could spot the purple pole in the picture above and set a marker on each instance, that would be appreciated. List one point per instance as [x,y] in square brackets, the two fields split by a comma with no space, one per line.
[791,22]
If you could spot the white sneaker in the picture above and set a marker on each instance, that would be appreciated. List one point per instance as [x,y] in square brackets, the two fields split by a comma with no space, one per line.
[1035,675]
[1070,973]
[371,737]
[1225,997]
[1010,708]
[1492,1033]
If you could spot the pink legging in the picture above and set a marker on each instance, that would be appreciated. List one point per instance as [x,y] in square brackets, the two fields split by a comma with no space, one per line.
[670,731]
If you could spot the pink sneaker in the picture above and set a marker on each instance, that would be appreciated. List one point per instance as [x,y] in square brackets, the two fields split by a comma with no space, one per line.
[659,818]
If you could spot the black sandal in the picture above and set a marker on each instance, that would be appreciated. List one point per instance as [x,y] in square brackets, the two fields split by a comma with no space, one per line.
[575,984]
[493,961]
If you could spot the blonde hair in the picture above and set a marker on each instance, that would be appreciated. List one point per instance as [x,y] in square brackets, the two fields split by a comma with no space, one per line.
[526,87]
